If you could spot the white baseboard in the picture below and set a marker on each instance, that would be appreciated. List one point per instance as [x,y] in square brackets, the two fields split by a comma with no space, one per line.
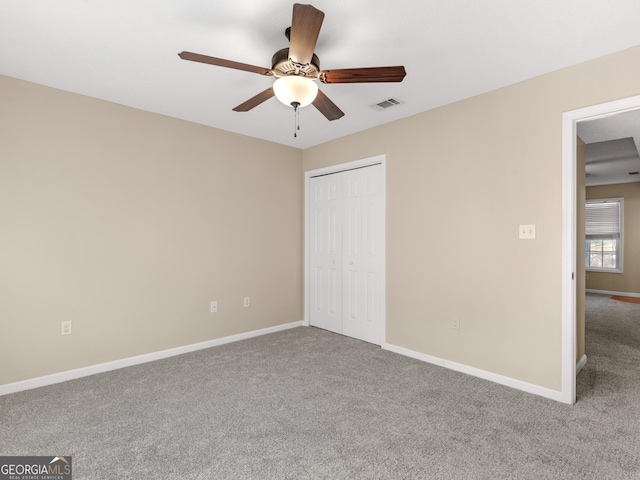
[128,362]
[581,363]
[476,372]
[607,292]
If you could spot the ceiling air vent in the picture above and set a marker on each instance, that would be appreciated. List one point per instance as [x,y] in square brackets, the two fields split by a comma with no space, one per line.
[386,103]
[634,173]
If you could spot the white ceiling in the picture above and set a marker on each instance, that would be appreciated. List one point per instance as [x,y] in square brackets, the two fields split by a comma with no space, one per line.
[125,51]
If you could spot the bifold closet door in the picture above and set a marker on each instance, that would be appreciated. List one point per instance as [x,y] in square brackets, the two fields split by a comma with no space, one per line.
[326,252]
[363,282]
[347,280]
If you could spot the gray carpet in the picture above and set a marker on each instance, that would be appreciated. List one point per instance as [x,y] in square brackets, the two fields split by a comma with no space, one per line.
[305,403]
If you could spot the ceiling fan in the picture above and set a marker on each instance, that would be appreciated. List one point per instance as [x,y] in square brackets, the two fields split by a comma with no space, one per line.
[298,66]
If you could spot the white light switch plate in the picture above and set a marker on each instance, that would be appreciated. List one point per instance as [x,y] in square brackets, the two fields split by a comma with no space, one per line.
[527,232]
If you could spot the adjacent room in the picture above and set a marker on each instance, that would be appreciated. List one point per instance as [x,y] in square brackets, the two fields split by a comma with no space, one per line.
[384,266]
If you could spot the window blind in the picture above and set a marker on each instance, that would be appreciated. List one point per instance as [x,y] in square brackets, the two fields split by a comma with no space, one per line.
[603,219]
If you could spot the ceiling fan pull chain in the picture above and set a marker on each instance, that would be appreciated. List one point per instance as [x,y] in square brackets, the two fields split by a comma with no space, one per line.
[296,118]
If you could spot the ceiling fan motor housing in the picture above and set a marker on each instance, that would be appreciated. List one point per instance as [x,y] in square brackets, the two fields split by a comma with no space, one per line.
[283,66]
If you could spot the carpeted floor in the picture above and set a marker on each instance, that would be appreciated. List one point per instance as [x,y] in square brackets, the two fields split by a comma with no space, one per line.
[305,404]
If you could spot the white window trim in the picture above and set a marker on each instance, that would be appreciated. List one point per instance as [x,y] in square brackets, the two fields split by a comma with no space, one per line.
[620,252]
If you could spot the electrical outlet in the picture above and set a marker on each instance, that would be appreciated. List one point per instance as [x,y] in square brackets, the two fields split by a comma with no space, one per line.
[66,328]
[214,306]
[455,322]
[247,301]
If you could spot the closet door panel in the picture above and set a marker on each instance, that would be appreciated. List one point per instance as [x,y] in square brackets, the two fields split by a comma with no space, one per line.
[326,253]
[363,260]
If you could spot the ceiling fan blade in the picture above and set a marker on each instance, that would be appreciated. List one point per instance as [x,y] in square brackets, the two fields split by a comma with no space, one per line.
[363,75]
[305,28]
[327,107]
[255,101]
[221,62]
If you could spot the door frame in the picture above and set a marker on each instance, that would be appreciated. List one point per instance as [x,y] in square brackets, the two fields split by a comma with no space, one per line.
[569,176]
[365,162]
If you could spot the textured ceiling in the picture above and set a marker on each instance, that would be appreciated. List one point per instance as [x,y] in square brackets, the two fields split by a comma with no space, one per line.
[126,51]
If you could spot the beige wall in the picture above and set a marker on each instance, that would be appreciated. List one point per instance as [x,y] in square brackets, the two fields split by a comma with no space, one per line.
[629,280]
[460,179]
[128,223]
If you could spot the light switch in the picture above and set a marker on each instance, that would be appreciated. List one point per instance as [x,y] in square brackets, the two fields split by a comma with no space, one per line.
[527,232]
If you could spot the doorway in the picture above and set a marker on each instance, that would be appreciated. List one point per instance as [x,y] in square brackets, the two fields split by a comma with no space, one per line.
[345,249]
[570,121]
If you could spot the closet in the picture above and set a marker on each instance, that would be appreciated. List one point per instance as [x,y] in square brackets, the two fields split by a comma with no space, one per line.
[346,258]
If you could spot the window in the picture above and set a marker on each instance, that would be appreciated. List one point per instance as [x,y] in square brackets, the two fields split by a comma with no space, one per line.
[604,219]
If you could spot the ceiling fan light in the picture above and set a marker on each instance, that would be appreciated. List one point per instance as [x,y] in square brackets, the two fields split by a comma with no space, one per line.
[294,89]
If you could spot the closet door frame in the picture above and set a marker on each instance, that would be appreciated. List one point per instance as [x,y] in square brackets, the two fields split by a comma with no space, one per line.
[365,162]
